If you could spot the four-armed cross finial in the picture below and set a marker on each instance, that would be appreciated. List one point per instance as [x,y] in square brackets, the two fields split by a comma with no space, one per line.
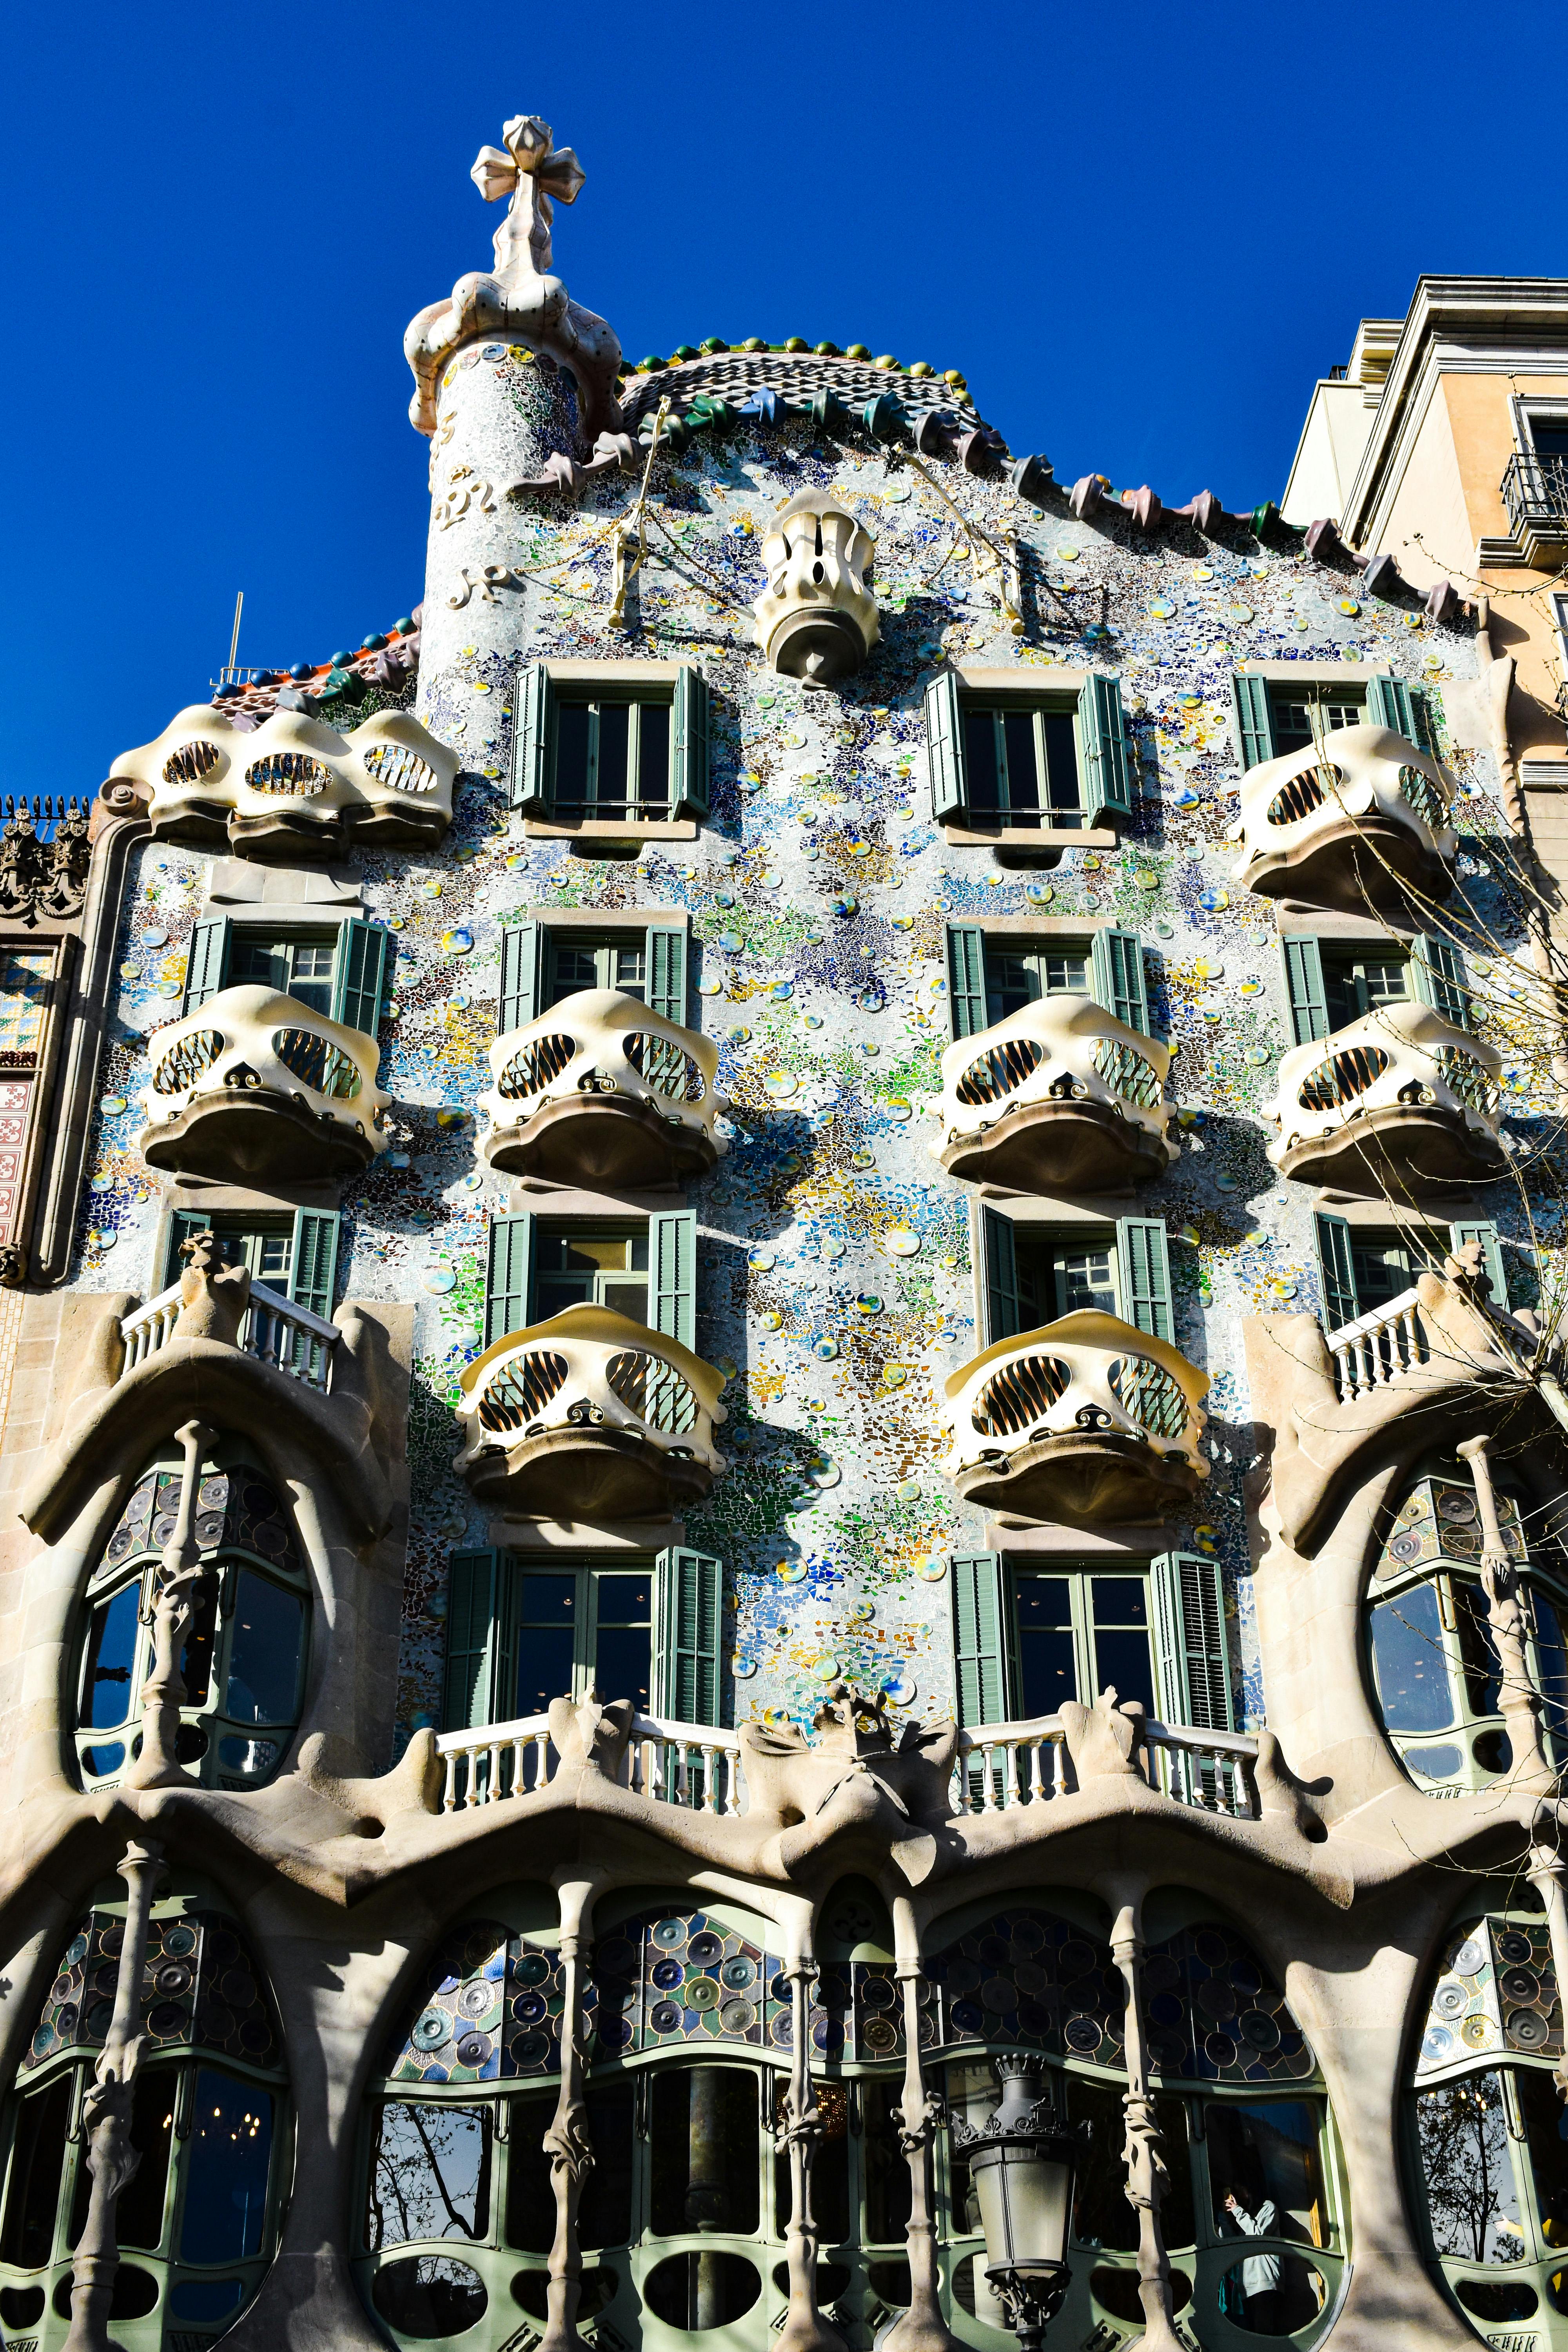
[531,172]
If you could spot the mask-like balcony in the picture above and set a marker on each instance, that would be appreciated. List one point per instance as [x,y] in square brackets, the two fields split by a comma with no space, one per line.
[1085,1419]
[1059,1097]
[590,1416]
[602,1091]
[1361,821]
[1395,1101]
[255,1087]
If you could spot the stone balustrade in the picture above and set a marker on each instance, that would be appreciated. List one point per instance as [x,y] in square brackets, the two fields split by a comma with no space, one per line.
[589,1416]
[1360,821]
[275,1332]
[601,1090]
[254,1086]
[1060,1097]
[1395,1100]
[1085,1419]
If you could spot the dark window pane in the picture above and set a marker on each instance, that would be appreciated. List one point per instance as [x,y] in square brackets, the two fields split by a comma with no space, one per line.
[265,1653]
[1123,1662]
[614,729]
[1043,1600]
[1023,770]
[1482,1668]
[980,757]
[1011,983]
[1265,2158]
[107,1698]
[572,969]
[1549,440]
[1472,2201]
[1101,2215]
[549,1601]
[1061,761]
[1546,2132]
[310,974]
[1083,1280]
[196,1658]
[545,1667]
[886,2171]
[259,964]
[1047,1672]
[624,1600]
[227,2159]
[529,2192]
[1407,1660]
[139,2216]
[33,2190]
[653,754]
[1382,1269]
[1121,1601]
[605,2215]
[430,2177]
[623,1664]
[572,721]
[629,967]
[705,2149]
[1552,1645]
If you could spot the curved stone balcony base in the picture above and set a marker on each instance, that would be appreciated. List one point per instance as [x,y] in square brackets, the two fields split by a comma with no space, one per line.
[1068,1147]
[1401,1149]
[1098,1477]
[261,1134]
[285,833]
[591,1474]
[1357,863]
[603,1139]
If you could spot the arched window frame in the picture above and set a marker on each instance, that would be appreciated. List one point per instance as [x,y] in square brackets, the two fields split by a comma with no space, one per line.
[208,1730]
[186,2288]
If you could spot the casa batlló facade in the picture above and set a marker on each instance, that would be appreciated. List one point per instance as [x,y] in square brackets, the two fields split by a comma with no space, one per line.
[767,1333]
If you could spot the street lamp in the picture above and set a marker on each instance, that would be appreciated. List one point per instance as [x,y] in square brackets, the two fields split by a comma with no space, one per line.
[1021,2161]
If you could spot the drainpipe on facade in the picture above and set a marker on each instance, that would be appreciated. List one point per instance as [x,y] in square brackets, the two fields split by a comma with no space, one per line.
[1143,2153]
[920,2116]
[566,2143]
[174,1606]
[106,2116]
[804,2330]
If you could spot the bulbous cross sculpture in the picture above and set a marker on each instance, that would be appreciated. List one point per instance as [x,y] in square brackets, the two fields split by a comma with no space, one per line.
[537,175]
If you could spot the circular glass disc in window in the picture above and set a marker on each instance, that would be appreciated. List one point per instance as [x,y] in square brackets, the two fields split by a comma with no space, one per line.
[705,1947]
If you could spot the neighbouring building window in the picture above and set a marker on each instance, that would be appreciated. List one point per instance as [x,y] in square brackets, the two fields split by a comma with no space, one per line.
[23,1001]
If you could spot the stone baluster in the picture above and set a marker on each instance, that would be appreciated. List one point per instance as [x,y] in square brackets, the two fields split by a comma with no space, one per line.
[1520,1701]
[172,1610]
[1144,2154]
[106,2117]
[920,2116]
[796,2134]
[566,2142]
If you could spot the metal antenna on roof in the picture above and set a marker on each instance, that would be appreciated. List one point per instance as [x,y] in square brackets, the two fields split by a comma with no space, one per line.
[234,641]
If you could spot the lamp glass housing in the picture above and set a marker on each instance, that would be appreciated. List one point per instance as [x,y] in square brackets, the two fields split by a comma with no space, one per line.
[1024,2193]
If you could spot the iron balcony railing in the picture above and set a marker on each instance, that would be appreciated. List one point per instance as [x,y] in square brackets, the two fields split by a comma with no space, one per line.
[1535,492]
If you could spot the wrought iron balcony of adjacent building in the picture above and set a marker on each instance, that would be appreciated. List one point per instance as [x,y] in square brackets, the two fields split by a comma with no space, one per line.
[1085,1419]
[1358,822]
[1395,1101]
[1060,1097]
[1535,493]
[590,1416]
[256,1086]
[601,1090]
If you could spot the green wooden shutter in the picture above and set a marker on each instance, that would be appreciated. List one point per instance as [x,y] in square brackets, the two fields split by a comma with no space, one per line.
[1254,717]
[480,1683]
[1390,703]
[521,960]
[690,1620]
[979,1666]
[944,748]
[1143,1276]
[691,746]
[313,1260]
[665,953]
[1437,977]
[1491,1256]
[1116,977]
[534,704]
[1107,754]
[966,980]
[182,1225]
[206,965]
[1425,732]
[1304,985]
[1337,1267]
[1192,1659]
[672,1265]
[358,976]
[1003,1315]
[508,1277]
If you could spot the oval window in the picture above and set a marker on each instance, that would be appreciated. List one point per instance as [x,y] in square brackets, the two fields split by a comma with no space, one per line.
[697,2292]
[1272,2293]
[430,2296]
[135,2294]
[832,2278]
[891,2282]
[531,2292]
[1116,2291]
[21,2306]
[1497,2299]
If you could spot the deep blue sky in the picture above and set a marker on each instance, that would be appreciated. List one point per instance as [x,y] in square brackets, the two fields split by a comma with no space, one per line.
[1142,231]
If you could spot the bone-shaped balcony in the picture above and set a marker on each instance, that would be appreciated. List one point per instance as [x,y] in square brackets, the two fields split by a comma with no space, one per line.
[1398,1100]
[1061,1096]
[1362,820]
[590,1416]
[601,1090]
[255,1085]
[1086,1420]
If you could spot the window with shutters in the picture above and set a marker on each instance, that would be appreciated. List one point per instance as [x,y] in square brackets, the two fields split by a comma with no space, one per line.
[591,1265]
[1331,983]
[1305,714]
[617,744]
[1274,716]
[1434,1663]
[582,1628]
[1022,765]
[244,1659]
[294,1252]
[1078,1632]
[578,959]
[299,963]
[992,975]
[543,964]
[1363,1267]
[1004,757]
[642,1267]
[1031,1274]
[341,971]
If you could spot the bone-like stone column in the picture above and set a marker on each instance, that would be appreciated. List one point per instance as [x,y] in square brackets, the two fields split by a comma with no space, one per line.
[566,2142]
[804,2330]
[1144,2154]
[1520,1700]
[920,2116]
[173,1606]
[106,2116]
[1548,1873]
